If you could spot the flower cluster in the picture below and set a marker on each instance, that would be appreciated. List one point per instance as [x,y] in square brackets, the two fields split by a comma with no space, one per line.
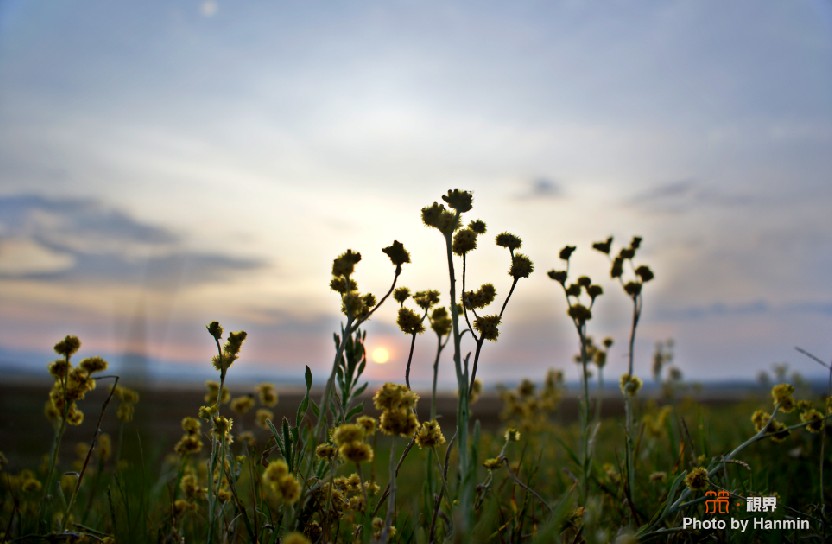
[397,404]
[526,408]
[429,434]
[71,383]
[278,485]
[191,441]
[641,273]
[230,351]
[349,439]
[579,310]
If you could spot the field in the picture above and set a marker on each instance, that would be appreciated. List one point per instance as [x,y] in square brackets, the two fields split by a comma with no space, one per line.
[89,459]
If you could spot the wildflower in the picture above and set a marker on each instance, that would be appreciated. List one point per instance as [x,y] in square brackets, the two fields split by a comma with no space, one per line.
[813,420]
[465,241]
[474,391]
[276,470]
[480,298]
[401,294]
[658,476]
[378,526]
[93,364]
[778,431]
[222,426]
[104,446]
[632,288]
[247,438]
[397,253]
[558,275]
[189,486]
[368,424]
[697,478]
[230,351]
[68,346]
[579,312]
[213,392]
[630,385]
[262,417]
[635,242]
[782,395]
[295,538]
[512,435]
[461,201]
[440,321]
[438,217]
[326,451]
[603,247]
[344,264]
[477,225]
[493,463]
[574,290]
[357,452]
[189,444]
[760,419]
[594,291]
[59,368]
[566,252]
[429,434]
[348,432]
[181,506]
[400,422]
[644,273]
[267,394]
[617,268]
[206,412]
[487,326]
[125,412]
[215,330]
[191,425]
[342,285]
[426,299]
[409,322]
[521,266]
[242,405]
[508,240]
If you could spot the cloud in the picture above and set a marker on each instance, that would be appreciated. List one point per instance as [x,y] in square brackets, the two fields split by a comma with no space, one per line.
[685,195]
[541,187]
[82,240]
[742,309]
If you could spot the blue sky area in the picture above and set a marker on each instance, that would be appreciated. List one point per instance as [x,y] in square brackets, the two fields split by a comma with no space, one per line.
[165,164]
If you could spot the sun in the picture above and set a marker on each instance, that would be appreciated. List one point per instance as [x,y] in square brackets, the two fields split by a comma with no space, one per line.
[380,355]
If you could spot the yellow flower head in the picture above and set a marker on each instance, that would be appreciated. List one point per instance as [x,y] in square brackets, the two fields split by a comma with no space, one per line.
[429,435]
[242,405]
[267,394]
[348,432]
[356,452]
[630,385]
[813,419]
[697,478]
[93,364]
[262,417]
[782,395]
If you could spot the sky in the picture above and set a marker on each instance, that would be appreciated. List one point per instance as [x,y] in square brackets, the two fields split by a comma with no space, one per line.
[166,164]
